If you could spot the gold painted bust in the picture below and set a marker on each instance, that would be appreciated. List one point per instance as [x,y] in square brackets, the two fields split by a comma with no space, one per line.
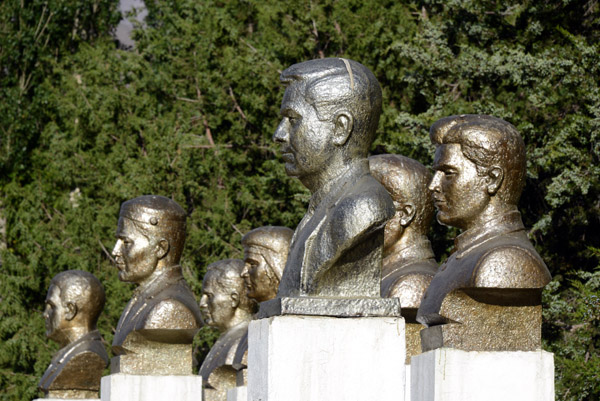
[330,111]
[224,305]
[74,302]
[265,254]
[408,260]
[487,295]
[155,331]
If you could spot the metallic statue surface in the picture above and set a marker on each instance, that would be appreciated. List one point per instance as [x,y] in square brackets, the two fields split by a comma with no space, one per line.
[487,295]
[74,302]
[224,305]
[330,111]
[265,254]
[408,260]
[155,331]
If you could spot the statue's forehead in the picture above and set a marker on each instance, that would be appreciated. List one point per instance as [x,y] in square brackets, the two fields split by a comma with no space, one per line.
[448,154]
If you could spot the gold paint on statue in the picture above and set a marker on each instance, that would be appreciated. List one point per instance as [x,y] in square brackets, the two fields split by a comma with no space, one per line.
[487,295]
[156,329]
[330,111]
[408,260]
[75,300]
[226,306]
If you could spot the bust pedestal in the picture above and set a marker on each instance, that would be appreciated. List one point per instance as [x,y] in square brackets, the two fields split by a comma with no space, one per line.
[120,387]
[296,357]
[447,374]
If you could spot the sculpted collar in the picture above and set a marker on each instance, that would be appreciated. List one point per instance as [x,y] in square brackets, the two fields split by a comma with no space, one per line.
[64,352]
[168,276]
[332,187]
[419,250]
[503,224]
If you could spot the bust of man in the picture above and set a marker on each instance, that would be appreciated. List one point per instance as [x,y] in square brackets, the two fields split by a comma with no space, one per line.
[408,260]
[163,316]
[487,295]
[265,254]
[75,300]
[224,305]
[330,111]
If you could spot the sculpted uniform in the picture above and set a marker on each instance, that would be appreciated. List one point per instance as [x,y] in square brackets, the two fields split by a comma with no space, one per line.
[78,366]
[406,275]
[158,305]
[489,290]
[344,220]
[217,370]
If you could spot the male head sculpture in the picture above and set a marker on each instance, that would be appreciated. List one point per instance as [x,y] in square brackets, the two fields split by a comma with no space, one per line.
[224,305]
[479,175]
[408,260]
[150,239]
[408,263]
[265,254]
[330,112]
[74,302]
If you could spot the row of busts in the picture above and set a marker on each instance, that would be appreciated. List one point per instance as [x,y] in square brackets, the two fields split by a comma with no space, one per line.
[363,236]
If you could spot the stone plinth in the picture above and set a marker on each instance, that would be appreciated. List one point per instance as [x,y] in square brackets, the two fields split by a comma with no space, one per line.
[336,307]
[121,387]
[67,399]
[238,394]
[448,374]
[300,358]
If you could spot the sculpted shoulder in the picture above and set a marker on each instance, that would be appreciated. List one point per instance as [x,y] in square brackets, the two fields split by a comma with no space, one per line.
[510,267]
[170,314]
[410,289]
[366,207]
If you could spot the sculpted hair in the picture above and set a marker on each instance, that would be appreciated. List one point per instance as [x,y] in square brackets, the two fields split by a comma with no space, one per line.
[158,216]
[228,272]
[406,180]
[331,85]
[84,290]
[273,243]
[487,141]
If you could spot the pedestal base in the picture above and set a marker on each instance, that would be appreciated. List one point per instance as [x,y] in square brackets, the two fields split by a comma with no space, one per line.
[335,307]
[121,387]
[68,399]
[448,374]
[300,358]
[238,394]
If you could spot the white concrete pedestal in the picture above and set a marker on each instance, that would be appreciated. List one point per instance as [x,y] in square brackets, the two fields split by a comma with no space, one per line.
[239,393]
[66,399]
[448,374]
[316,358]
[123,387]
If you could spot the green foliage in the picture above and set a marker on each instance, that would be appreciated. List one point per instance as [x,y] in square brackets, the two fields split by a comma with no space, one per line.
[190,111]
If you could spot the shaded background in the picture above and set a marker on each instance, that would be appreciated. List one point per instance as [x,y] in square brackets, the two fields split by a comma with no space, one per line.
[188,112]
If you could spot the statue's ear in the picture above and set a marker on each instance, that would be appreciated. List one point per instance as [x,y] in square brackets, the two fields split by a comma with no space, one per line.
[70,311]
[162,248]
[344,121]
[235,299]
[495,178]
[407,213]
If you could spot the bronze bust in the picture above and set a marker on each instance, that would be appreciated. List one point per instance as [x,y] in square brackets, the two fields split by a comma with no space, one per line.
[155,331]
[487,295]
[265,254]
[408,260]
[224,305]
[330,111]
[74,302]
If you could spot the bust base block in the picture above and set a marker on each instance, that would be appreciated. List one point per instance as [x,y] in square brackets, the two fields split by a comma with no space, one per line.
[239,393]
[316,358]
[448,374]
[335,307]
[121,387]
